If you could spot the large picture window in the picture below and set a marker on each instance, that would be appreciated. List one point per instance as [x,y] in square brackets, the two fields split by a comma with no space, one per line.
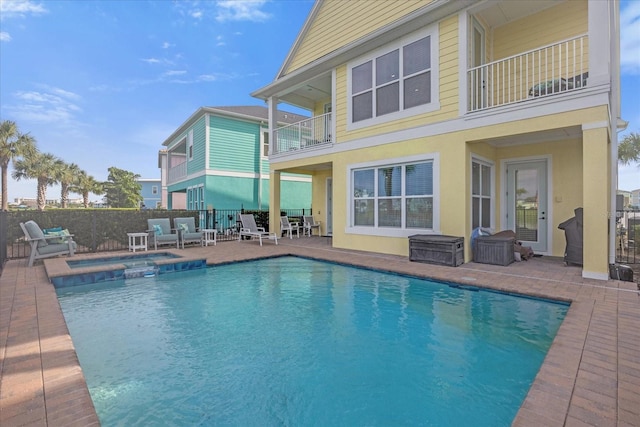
[396,80]
[395,196]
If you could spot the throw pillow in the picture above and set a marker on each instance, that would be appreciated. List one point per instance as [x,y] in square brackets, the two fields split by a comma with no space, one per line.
[183,227]
[157,229]
[52,230]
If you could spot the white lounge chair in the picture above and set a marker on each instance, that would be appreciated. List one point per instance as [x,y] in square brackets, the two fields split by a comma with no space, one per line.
[46,246]
[187,231]
[289,227]
[309,224]
[160,232]
[250,229]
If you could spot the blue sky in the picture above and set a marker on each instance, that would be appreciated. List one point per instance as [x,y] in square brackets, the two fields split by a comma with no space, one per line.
[103,83]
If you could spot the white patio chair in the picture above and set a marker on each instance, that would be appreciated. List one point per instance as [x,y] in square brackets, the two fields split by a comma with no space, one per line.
[187,231]
[161,233]
[289,227]
[46,246]
[309,224]
[250,229]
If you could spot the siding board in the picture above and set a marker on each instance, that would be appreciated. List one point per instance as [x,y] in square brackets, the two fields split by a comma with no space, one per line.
[339,23]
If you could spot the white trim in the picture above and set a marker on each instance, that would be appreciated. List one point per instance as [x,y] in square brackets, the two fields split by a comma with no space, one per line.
[571,101]
[595,125]
[593,275]
[434,105]
[395,232]
[207,135]
[492,165]
[190,155]
[463,39]
[503,186]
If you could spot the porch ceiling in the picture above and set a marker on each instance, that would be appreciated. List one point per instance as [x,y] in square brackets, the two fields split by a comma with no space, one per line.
[307,94]
[499,13]
[536,137]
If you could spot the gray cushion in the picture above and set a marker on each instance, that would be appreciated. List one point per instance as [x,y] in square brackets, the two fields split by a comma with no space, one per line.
[35,232]
[56,247]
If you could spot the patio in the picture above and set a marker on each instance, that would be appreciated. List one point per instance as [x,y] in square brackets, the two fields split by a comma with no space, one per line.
[591,375]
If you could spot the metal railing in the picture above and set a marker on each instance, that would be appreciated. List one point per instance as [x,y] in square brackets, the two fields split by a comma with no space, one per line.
[628,236]
[308,133]
[177,172]
[555,68]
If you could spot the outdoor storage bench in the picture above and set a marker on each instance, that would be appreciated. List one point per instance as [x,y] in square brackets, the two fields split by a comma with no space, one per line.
[442,250]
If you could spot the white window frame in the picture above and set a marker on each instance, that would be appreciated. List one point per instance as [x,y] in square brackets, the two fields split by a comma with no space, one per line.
[492,199]
[154,189]
[389,231]
[190,145]
[432,32]
[264,143]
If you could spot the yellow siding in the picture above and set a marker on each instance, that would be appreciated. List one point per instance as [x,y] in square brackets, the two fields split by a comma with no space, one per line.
[560,22]
[339,23]
[455,150]
[447,86]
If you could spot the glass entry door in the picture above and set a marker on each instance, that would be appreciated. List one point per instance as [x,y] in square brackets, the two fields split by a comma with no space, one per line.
[527,212]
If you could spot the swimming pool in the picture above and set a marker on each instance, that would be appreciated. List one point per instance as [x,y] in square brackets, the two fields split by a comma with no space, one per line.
[290,341]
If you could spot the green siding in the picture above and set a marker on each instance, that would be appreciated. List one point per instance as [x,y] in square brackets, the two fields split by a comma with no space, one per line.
[199,143]
[234,145]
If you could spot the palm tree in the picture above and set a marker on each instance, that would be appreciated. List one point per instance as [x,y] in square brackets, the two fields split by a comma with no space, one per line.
[629,149]
[13,145]
[69,173]
[86,184]
[43,167]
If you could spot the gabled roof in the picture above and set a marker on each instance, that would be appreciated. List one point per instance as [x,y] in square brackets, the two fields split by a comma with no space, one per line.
[426,15]
[255,113]
[296,44]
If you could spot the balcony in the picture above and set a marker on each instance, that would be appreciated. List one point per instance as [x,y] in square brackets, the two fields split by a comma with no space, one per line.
[307,134]
[556,68]
[177,172]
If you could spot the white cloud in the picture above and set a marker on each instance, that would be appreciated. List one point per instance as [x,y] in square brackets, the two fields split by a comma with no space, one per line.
[167,45]
[150,60]
[196,14]
[20,8]
[241,10]
[52,105]
[175,73]
[5,37]
[630,38]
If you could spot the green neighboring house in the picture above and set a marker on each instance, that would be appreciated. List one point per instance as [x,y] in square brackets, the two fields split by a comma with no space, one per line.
[218,159]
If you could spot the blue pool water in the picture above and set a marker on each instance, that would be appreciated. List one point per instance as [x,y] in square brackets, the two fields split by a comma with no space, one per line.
[290,341]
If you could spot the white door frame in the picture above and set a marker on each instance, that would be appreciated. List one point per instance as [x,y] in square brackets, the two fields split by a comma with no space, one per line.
[328,229]
[504,208]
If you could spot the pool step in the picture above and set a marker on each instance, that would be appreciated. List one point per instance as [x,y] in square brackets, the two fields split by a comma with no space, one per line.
[141,271]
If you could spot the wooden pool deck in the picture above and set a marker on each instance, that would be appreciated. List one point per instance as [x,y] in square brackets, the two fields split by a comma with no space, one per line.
[590,377]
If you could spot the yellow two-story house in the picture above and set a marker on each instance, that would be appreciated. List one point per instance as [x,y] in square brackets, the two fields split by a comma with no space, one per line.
[437,117]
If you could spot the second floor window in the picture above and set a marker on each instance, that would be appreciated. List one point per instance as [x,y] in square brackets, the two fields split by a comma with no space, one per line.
[265,143]
[395,81]
[154,189]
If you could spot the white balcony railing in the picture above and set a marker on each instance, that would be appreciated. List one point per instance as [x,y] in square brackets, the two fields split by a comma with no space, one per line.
[552,69]
[177,172]
[308,133]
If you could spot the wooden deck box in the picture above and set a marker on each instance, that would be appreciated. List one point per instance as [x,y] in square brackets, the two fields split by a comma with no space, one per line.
[442,250]
[494,250]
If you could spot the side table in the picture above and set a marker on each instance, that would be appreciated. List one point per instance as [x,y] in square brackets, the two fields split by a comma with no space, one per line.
[137,241]
[210,236]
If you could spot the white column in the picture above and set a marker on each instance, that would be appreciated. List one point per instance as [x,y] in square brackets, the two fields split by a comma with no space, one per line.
[272,102]
[599,43]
